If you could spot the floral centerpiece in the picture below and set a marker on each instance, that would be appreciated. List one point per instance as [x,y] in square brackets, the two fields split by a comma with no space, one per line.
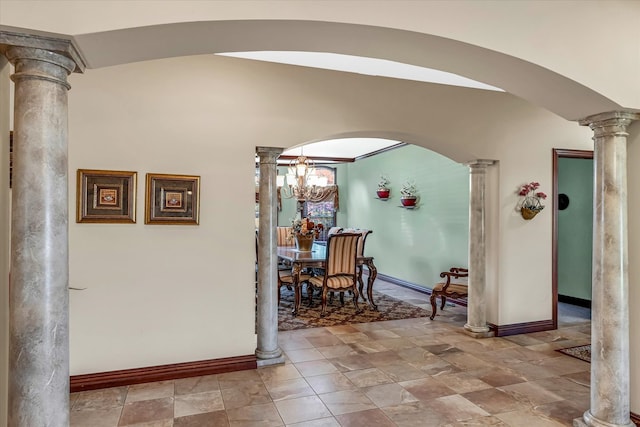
[304,232]
[531,203]
[409,194]
[383,188]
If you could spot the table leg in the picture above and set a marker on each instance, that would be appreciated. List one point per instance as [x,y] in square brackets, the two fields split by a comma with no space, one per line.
[373,272]
[295,272]
[361,283]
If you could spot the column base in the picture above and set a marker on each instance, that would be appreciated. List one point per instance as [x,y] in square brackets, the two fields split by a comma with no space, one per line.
[269,362]
[263,355]
[478,332]
[589,420]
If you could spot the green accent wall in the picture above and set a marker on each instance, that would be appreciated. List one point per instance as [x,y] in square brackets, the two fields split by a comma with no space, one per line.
[575,228]
[413,245]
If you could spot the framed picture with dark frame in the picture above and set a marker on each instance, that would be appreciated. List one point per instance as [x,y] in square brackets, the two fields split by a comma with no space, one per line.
[106,196]
[172,199]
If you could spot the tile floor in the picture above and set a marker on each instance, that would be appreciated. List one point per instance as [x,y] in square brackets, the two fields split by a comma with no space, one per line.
[412,372]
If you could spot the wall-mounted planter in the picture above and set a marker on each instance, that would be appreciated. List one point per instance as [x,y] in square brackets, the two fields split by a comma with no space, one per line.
[383,193]
[529,213]
[409,202]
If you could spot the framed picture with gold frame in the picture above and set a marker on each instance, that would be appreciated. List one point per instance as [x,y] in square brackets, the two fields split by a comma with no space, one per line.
[106,196]
[172,199]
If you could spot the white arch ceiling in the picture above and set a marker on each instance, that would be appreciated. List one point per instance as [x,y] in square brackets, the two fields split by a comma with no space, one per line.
[529,81]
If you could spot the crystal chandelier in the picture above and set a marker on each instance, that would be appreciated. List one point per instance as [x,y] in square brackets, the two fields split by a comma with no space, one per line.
[302,183]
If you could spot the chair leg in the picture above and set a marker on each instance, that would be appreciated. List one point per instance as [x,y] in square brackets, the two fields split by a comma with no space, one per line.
[341,299]
[355,299]
[433,305]
[360,282]
[325,290]
[443,299]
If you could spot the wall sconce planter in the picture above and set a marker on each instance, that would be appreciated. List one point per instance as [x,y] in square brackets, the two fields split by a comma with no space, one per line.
[531,203]
[409,202]
[384,192]
[409,195]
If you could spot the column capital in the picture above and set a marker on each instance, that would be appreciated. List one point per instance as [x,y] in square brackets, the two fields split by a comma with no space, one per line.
[53,43]
[39,64]
[268,154]
[479,164]
[611,123]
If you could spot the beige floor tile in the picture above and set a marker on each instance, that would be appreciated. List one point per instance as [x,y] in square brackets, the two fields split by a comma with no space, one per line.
[106,417]
[279,373]
[330,383]
[304,355]
[334,351]
[315,367]
[257,415]
[198,403]
[150,391]
[343,402]
[426,389]
[289,389]
[494,401]
[368,377]
[531,393]
[321,422]
[455,408]
[146,411]
[368,418]
[351,363]
[98,399]
[526,417]
[412,415]
[196,384]
[213,419]
[249,394]
[302,409]
[325,341]
[462,382]
[389,395]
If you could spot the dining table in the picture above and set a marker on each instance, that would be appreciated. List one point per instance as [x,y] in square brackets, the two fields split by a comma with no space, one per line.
[316,258]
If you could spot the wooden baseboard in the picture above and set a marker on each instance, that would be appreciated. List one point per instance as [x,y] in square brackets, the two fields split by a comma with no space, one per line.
[635,418]
[521,328]
[574,301]
[161,373]
[418,288]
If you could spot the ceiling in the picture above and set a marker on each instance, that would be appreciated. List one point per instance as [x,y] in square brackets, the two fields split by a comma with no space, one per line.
[351,149]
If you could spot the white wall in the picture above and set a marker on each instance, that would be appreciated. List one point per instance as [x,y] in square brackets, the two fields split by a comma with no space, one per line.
[168,294]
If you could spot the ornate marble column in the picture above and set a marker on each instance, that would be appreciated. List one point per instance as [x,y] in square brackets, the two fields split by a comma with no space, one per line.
[38,304]
[476,314]
[610,285]
[268,352]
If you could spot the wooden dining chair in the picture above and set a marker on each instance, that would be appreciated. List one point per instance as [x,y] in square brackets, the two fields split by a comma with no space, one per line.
[285,278]
[340,272]
[364,233]
[284,236]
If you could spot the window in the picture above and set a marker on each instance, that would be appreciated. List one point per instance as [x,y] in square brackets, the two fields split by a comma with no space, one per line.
[323,212]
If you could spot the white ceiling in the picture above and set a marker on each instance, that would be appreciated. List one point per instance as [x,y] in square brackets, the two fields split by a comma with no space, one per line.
[362,65]
[349,148]
[353,148]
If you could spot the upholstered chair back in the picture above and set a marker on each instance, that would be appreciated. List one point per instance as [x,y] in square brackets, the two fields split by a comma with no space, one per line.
[283,236]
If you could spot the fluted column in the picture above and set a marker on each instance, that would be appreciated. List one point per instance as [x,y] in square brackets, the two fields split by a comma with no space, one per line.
[476,306]
[610,283]
[38,304]
[268,351]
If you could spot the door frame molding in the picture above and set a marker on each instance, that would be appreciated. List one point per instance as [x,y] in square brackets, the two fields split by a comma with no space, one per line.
[557,154]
